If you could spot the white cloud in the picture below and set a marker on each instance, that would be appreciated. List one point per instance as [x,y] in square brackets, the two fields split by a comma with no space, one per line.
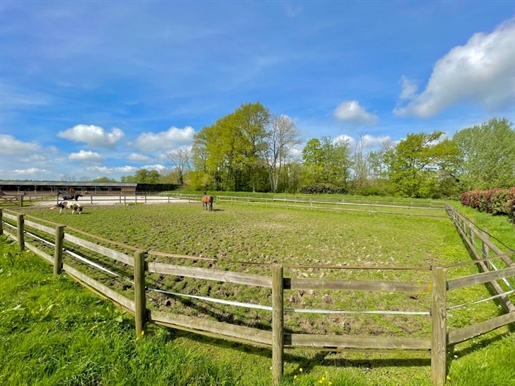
[165,140]
[11,146]
[371,141]
[344,138]
[103,170]
[481,71]
[29,172]
[351,111]
[86,156]
[94,136]
[409,88]
[136,157]
[159,168]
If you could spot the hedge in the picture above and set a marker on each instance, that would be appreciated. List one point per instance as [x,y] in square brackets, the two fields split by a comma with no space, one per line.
[498,201]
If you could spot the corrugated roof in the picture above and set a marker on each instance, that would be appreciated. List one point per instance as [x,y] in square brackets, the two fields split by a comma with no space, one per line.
[63,183]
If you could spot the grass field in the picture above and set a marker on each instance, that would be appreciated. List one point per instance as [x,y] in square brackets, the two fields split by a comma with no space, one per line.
[261,234]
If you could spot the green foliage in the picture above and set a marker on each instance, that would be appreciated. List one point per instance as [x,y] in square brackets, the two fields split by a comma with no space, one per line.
[488,155]
[322,188]
[417,163]
[231,149]
[494,201]
[326,162]
[143,176]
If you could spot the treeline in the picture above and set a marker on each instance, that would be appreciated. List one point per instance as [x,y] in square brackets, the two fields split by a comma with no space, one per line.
[494,201]
[253,150]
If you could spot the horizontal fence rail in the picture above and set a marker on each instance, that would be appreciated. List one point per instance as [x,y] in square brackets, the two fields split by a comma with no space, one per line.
[28,233]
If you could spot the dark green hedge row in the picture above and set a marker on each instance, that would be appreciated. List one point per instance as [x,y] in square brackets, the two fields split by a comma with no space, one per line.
[497,201]
[323,188]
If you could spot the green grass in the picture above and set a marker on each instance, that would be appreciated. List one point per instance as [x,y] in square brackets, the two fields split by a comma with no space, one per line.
[53,332]
[262,234]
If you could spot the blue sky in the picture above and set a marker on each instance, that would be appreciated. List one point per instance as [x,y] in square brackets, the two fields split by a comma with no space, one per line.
[103,88]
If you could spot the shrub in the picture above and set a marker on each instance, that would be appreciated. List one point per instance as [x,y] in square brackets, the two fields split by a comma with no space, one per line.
[323,189]
[497,201]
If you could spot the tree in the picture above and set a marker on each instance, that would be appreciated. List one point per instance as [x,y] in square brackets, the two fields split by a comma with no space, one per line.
[337,163]
[417,163]
[231,149]
[326,162]
[360,164]
[283,138]
[313,160]
[180,158]
[252,121]
[488,155]
[144,176]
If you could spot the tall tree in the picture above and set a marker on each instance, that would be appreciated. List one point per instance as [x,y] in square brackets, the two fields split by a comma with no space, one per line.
[144,176]
[313,160]
[252,121]
[488,155]
[230,149]
[283,138]
[417,163]
[360,163]
[180,159]
[326,161]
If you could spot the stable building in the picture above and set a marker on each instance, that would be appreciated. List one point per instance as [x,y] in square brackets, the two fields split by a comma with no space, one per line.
[24,187]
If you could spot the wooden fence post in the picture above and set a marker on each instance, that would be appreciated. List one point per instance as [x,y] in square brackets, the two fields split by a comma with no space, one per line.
[21,234]
[439,327]
[140,314]
[58,253]
[1,222]
[277,325]
[485,250]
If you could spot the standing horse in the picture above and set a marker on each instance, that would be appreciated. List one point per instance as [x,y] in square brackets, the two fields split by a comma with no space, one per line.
[68,196]
[207,202]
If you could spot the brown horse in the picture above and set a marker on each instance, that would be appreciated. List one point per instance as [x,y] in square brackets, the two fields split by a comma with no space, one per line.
[207,202]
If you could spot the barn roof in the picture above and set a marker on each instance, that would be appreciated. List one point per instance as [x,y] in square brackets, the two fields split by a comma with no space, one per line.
[63,183]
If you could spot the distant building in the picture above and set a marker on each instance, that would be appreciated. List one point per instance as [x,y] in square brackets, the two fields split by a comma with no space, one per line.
[19,187]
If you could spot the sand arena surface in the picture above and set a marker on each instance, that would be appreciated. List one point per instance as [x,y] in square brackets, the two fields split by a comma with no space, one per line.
[102,200]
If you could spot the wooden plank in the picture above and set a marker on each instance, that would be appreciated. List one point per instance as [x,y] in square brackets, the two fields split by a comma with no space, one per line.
[58,249]
[439,327]
[102,289]
[10,216]
[482,236]
[211,274]
[277,325]
[356,285]
[40,227]
[40,253]
[505,302]
[480,278]
[121,257]
[20,229]
[201,324]
[358,342]
[469,332]
[140,314]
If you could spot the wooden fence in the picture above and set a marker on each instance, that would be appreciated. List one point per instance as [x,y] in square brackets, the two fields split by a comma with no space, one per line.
[432,209]
[17,227]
